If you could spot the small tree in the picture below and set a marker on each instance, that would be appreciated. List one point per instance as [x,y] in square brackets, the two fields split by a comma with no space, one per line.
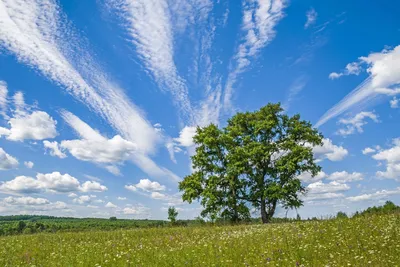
[341,215]
[172,214]
[113,218]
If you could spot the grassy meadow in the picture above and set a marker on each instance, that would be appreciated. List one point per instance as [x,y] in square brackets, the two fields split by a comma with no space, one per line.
[361,241]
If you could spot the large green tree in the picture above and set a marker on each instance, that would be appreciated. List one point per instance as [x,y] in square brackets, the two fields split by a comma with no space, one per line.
[255,160]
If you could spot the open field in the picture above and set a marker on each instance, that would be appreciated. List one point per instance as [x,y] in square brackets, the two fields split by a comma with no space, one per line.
[361,241]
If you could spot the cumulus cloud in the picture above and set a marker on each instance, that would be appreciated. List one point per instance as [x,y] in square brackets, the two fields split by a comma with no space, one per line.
[186,135]
[382,194]
[392,158]
[7,162]
[26,124]
[18,205]
[54,148]
[384,79]
[320,187]
[26,201]
[121,198]
[330,151]
[85,199]
[311,17]
[356,123]
[137,210]
[29,164]
[394,103]
[307,177]
[36,126]
[51,182]
[111,205]
[92,186]
[345,177]
[368,150]
[146,185]
[351,69]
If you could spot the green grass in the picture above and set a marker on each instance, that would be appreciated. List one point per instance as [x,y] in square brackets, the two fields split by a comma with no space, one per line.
[362,241]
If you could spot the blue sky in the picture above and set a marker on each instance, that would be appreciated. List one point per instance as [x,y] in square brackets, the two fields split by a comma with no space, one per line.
[99,99]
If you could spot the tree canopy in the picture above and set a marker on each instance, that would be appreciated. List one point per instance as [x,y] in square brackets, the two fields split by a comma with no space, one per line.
[252,162]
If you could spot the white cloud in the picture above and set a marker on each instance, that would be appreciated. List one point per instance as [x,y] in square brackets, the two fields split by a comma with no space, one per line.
[26,201]
[121,198]
[147,185]
[94,147]
[131,188]
[368,150]
[138,210]
[353,68]
[54,148]
[392,158]
[295,88]
[320,187]
[158,195]
[73,195]
[307,177]
[258,23]
[114,170]
[356,123]
[29,164]
[345,177]
[21,184]
[394,103]
[335,75]
[330,151]
[311,18]
[38,34]
[149,25]
[373,196]
[323,196]
[58,182]
[92,186]
[111,205]
[186,135]
[3,99]
[51,182]
[85,199]
[23,205]
[384,78]
[36,126]
[7,162]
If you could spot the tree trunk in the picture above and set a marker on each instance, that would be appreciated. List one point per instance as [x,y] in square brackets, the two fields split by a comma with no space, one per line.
[264,215]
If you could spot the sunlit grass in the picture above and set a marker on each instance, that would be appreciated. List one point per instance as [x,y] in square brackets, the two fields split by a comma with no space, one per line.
[362,241]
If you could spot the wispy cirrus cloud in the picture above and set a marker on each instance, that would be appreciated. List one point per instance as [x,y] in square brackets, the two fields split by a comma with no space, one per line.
[38,34]
[258,26]
[384,79]
[149,25]
[32,31]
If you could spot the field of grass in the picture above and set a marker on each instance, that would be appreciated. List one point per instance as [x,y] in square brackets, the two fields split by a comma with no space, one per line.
[361,241]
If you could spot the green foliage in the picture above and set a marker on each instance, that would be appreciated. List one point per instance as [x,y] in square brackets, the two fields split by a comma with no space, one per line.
[254,160]
[388,208]
[360,241]
[30,224]
[113,218]
[341,215]
[172,214]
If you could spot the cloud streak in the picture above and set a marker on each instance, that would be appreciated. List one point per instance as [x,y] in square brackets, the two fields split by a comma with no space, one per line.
[384,79]
[258,26]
